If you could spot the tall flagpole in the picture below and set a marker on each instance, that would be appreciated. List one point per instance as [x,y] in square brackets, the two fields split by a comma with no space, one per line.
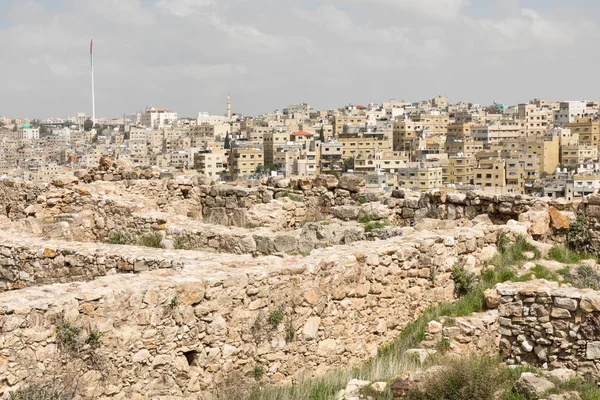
[93,88]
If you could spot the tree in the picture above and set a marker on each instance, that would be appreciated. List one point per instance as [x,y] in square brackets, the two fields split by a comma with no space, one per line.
[88,125]
[322,135]
[44,131]
[227,144]
[348,164]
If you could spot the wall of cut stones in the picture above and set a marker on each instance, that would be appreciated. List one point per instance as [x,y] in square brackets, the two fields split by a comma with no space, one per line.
[184,331]
[71,209]
[543,324]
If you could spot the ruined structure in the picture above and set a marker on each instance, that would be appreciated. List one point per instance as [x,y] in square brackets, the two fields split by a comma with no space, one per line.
[289,279]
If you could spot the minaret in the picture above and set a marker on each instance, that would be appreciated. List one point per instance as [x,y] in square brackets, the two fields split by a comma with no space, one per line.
[228,107]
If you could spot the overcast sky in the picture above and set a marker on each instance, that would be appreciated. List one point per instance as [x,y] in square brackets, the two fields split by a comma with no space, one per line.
[187,55]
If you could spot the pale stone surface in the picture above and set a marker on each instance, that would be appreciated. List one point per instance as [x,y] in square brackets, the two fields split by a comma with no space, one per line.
[532,385]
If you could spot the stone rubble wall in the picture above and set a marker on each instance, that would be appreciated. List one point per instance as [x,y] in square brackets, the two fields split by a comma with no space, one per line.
[184,331]
[545,325]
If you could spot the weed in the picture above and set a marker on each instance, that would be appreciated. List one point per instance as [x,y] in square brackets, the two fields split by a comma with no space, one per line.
[464,281]
[117,237]
[275,317]
[512,255]
[443,346]
[502,242]
[94,337]
[578,235]
[149,240]
[181,244]
[67,335]
[568,256]
[257,373]
[371,226]
[174,302]
[361,200]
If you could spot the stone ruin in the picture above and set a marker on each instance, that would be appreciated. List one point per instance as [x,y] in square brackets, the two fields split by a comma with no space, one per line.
[291,278]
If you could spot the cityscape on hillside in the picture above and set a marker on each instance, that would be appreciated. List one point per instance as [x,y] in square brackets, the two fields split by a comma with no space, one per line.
[540,148]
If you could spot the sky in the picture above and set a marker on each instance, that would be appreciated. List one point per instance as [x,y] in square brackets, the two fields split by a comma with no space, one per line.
[187,55]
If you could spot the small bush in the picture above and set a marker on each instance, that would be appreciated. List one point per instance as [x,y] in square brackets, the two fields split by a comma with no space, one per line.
[67,335]
[542,272]
[371,226]
[181,244]
[578,235]
[174,302]
[443,346]
[149,240]
[463,379]
[258,372]
[275,317]
[55,390]
[94,337]
[502,242]
[365,219]
[464,281]
[585,277]
[512,254]
[117,237]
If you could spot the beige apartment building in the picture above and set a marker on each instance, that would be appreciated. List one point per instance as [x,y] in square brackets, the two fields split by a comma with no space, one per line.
[588,130]
[572,155]
[490,174]
[271,142]
[342,122]
[329,157]
[420,177]
[497,132]
[211,163]
[364,144]
[547,148]
[244,161]
[459,131]
[468,147]
[459,170]
[406,133]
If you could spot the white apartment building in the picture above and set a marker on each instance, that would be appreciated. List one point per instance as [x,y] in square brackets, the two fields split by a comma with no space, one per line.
[158,119]
[568,111]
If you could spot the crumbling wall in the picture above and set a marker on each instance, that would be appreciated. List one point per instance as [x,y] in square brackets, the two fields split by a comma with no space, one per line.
[546,325]
[184,331]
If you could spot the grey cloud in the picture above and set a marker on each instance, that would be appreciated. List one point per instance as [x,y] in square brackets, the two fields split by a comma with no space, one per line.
[186,55]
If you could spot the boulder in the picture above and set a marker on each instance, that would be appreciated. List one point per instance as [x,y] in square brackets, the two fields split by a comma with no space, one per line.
[345,213]
[352,183]
[374,211]
[328,182]
[106,162]
[533,386]
[540,222]
[558,219]
[562,375]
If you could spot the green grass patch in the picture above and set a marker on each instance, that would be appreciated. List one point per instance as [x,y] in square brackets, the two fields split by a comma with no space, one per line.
[149,240]
[371,226]
[512,255]
[117,237]
[567,256]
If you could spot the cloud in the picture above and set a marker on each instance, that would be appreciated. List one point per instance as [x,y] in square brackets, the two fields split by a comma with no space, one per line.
[186,55]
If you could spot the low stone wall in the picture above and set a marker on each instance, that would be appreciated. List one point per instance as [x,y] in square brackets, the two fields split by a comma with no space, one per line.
[184,332]
[543,324]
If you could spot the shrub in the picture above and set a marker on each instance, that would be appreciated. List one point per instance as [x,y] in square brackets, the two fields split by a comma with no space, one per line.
[464,281]
[585,277]
[463,379]
[511,255]
[149,240]
[443,346]
[180,243]
[67,335]
[94,337]
[502,242]
[371,226]
[53,390]
[258,372]
[174,302]
[117,237]
[275,317]
[578,235]
[365,219]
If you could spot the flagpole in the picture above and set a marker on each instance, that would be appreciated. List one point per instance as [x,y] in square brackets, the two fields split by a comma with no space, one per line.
[93,86]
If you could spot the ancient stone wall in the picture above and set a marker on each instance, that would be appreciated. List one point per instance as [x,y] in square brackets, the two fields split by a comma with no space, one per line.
[546,325]
[185,330]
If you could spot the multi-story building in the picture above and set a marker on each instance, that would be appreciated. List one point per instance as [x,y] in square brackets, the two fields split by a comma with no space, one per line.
[158,119]
[364,144]
[459,170]
[420,177]
[329,155]
[272,140]
[568,112]
[572,155]
[344,122]
[244,161]
[497,132]
[212,163]
[490,175]
[547,148]
[587,128]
